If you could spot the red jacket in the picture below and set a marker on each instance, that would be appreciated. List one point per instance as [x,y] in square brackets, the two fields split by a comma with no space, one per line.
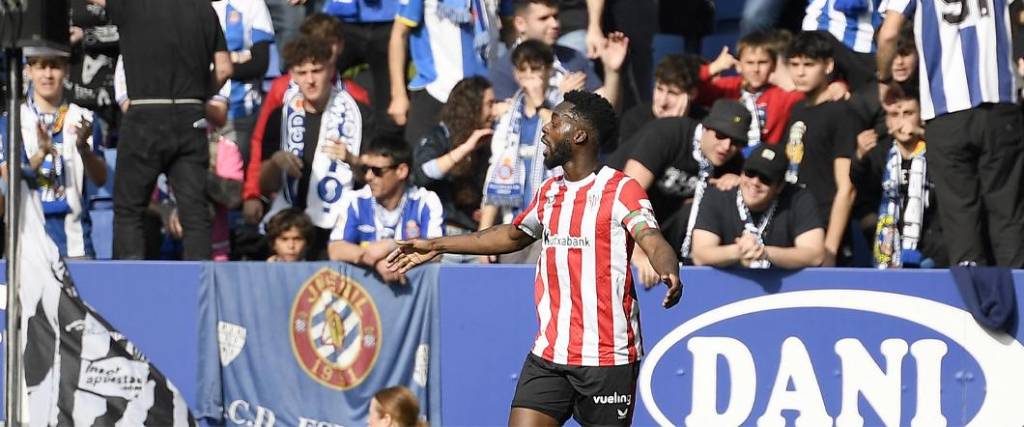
[773,106]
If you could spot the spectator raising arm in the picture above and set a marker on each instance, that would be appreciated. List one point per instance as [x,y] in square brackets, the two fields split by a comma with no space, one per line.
[397,48]
[888,33]
[613,54]
[595,35]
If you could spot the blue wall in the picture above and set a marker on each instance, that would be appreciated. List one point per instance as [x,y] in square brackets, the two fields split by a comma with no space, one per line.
[488,324]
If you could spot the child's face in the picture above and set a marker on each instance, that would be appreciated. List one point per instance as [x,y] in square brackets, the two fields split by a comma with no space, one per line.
[902,118]
[526,72]
[809,74]
[289,245]
[756,66]
[904,65]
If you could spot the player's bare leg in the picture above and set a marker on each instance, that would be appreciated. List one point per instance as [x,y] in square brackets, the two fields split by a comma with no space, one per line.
[524,417]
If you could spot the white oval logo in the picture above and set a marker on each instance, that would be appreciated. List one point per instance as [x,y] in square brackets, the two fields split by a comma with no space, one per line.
[1000,356]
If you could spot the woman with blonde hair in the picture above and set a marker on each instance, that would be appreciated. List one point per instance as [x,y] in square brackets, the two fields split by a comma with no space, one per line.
[395,407]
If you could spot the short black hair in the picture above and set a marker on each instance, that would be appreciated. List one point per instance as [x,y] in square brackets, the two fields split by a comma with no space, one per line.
[811,44]
[519,7]
[532,52]
[905,43]
[306,49]
[900,92]
[597,112]
[682,71]
[392,147]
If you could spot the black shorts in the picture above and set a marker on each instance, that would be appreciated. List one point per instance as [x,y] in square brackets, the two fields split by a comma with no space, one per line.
[594,395]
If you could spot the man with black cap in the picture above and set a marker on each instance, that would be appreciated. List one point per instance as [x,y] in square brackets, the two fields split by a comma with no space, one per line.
[675,159]
[764,222]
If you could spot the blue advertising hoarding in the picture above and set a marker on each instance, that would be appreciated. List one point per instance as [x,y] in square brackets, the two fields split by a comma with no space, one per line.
[818,347]
[821,346]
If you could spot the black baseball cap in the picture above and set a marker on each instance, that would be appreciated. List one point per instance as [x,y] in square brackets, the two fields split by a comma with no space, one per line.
[767,161]
[729,118]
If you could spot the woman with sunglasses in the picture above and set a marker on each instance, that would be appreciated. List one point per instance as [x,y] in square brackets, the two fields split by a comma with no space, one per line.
[762,223]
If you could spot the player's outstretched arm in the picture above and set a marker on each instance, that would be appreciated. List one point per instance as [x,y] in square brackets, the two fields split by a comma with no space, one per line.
[664,261]
[499,239]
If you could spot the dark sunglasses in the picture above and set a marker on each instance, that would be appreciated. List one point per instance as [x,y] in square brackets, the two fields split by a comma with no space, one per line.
[379,170]
[760,177]
[720,136]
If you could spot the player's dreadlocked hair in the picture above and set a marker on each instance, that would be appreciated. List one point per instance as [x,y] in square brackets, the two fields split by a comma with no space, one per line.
[597,112]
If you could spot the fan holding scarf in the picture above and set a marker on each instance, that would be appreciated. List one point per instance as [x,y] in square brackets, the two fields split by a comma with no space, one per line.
[517,154]
[318,143]
[906,234]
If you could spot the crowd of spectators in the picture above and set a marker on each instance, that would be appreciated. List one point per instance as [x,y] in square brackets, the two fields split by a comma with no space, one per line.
[307,130]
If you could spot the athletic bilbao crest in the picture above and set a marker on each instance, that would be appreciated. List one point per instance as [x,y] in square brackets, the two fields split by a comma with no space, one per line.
[335,330]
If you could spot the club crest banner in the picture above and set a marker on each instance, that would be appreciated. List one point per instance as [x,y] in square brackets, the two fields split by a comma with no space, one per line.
[308,344]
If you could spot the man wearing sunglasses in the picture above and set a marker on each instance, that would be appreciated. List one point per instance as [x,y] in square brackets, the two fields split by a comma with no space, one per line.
[762,223]
[385,209]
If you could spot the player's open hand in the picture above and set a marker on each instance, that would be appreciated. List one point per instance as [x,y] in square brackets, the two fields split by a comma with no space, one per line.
[675,289]
[409,254]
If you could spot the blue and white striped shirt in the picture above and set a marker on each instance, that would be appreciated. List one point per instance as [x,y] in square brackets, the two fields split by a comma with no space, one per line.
[362,220]
[965,53]
[855,30]
[443,51]
[245,23]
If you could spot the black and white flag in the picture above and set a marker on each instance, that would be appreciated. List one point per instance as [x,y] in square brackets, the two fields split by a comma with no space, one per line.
[79,371]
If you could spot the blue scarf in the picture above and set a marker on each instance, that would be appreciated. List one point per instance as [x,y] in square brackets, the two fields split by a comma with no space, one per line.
[895,247]
[328,178]
[50,178]
[506,178]
[466,12]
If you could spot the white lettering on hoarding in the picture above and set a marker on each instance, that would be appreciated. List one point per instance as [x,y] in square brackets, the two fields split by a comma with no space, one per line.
[998,355]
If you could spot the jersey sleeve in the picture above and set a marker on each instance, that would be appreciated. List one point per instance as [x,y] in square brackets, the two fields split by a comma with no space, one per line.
[432,216]
[410,12]
[903,7]
[348,221]
[635,212]
[261,27]
[529,219]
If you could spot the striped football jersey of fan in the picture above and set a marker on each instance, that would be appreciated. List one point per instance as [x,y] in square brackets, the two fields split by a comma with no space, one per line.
[965,53]
[856,31]
[586,301]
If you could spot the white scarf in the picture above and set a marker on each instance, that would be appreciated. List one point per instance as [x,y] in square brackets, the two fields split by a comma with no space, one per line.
[756,230]
[888,236]
[705,169]
[328,178]
[749,100]
[506,176]
[69,166]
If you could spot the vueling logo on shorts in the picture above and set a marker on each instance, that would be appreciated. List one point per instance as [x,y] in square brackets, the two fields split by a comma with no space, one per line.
[566,241]
[614,399]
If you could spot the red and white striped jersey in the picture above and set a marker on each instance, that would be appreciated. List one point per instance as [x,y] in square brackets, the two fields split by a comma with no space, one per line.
[586,302]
